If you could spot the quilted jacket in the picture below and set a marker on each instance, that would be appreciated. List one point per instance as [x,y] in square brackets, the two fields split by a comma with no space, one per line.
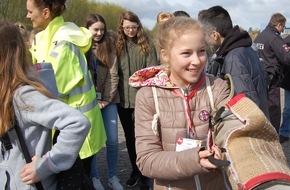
[156,155]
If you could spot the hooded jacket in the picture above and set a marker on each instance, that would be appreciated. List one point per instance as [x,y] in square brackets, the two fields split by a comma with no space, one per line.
[156,155]
[64,44]
[237,58]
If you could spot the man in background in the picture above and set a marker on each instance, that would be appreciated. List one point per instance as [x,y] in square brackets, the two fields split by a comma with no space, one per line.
[274,53]
[231,53]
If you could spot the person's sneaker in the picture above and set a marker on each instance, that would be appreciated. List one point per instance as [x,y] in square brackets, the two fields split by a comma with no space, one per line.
[133,180]
[114,183]
[283,139]
[97,184]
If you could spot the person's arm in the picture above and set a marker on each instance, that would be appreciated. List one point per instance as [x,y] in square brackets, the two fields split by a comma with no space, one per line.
[112,80]
[281,51]
[46,114]
[70,68]
[238,66]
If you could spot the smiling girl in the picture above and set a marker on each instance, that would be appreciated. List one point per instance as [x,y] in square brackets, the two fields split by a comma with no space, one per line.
[102,62]
[183,111]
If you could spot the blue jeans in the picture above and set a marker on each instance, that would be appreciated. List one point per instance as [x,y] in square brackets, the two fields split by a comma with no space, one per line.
[110,118]
[285,127]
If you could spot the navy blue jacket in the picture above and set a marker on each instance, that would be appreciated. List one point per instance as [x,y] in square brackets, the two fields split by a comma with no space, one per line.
[274,53]
[237,58]
[286,80]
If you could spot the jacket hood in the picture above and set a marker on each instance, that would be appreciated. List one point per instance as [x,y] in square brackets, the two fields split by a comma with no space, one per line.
[157,76]
[78,36]
[151,76]
[235,38]
[58,30]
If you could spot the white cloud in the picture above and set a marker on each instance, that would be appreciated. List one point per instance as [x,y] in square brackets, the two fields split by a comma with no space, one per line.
[245,13]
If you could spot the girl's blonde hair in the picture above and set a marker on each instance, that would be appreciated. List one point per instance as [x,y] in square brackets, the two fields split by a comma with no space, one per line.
[170,28]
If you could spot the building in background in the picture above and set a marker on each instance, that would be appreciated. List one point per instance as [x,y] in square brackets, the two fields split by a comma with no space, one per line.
[286,31]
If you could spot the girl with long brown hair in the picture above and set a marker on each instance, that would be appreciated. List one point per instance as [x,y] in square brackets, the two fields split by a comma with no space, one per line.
[24,99]
[103,65]
[135,51]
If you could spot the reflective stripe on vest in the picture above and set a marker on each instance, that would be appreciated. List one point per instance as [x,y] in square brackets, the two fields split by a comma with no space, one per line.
[80,89]
[88,107]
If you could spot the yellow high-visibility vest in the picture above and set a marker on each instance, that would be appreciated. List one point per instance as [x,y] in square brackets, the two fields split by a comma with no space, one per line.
[64,44]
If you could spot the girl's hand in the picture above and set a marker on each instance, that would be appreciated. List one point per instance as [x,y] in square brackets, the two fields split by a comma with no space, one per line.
[103,104]
[217,152]
[28,173]
[203,155]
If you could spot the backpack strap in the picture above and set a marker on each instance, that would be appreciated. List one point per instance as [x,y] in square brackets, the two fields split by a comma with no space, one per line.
[209,92]
[25,151]
[227,77]
[5,143]
[156,116]
[218,116]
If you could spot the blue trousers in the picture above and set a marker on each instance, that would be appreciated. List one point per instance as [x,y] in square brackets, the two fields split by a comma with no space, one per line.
[110,118]
[285,127]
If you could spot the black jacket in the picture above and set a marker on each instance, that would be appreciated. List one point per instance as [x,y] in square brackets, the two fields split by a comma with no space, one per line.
[286,80]
[274,52]
[237,57]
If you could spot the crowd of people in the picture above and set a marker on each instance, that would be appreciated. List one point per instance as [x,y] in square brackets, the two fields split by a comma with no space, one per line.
[158,89]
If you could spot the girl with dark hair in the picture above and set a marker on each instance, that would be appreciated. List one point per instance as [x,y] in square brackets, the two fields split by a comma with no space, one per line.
[25,100]
[102,62]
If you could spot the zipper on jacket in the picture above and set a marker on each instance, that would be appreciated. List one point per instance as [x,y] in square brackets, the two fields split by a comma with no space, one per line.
[185,92]
[186,103]
[191,132]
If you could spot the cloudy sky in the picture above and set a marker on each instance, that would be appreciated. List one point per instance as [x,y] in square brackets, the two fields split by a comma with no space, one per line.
[245,13]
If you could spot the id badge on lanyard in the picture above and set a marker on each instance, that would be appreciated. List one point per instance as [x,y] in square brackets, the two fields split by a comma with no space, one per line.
[183,143]
[189,139]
